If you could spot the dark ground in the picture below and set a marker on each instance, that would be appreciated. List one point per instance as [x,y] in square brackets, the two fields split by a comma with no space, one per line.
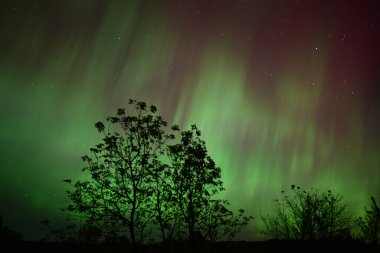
[220,247]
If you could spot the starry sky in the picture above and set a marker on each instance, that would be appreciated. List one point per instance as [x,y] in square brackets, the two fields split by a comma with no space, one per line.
[284,92]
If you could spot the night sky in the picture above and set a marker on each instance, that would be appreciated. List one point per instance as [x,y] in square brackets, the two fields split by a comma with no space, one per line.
[284,92]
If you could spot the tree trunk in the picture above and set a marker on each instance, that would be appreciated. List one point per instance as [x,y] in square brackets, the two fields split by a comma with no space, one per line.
[132,232]
[160,221]
[191,233]
[376,207]
[191,220]
[132,223]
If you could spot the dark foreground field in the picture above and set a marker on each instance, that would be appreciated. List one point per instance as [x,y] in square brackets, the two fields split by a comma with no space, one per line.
[221,247]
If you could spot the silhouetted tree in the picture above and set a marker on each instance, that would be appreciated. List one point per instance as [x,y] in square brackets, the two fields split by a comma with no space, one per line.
[217,221]
[369,225]
[8,235]
[195,177]
[139,179]
[72,232]
[164,206]
[67,234]
[309,215]
[123,168]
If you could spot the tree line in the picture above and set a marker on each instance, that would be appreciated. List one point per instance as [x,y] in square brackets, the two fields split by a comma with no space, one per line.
[148,180]
[145,180]
[316,215]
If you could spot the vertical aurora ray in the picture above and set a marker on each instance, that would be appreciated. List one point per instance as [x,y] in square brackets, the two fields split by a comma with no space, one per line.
[261,143]
[284,93]
[217,105]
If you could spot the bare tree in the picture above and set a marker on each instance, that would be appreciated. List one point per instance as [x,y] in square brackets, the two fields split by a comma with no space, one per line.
[369,225]
[195,183]
[218,221]
[195,178]
[309,215]
[122,169]
[139,179]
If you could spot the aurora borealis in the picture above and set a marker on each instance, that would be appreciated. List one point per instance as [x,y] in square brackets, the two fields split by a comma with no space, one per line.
[284,92]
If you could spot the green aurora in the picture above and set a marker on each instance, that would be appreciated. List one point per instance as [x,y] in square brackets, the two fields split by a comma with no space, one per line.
[283,92]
